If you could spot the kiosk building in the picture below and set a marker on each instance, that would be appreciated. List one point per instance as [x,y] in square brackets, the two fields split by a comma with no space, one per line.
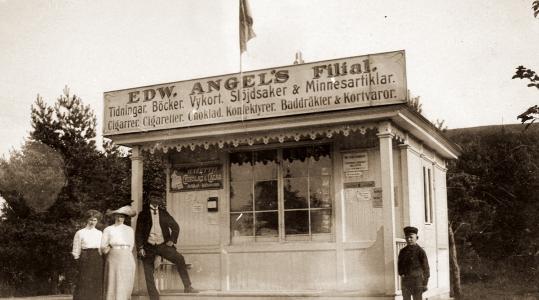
[292,182]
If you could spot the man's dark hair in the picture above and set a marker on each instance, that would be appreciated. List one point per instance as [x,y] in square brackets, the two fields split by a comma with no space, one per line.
[157,194]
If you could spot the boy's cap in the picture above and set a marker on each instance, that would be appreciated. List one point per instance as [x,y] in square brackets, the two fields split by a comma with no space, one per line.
[409,230]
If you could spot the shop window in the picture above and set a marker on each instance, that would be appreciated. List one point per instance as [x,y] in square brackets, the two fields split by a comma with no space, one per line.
[253,194]
[428,194]
[281,194]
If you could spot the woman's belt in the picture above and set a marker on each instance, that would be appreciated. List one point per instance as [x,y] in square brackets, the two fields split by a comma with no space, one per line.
[120,247]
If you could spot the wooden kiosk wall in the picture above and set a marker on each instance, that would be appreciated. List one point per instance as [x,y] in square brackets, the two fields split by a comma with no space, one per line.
[353,259]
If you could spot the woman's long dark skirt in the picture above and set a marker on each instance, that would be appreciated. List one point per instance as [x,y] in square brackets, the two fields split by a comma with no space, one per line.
[90,279]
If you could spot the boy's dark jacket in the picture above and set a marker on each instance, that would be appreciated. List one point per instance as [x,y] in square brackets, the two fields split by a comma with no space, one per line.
[413,262]
[169,227]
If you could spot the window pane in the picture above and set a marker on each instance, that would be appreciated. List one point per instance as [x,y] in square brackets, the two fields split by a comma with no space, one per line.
[241,224]
[296,222]
[241,166]
[266,195]
[295,193]
[295,162]
[431,204]
[425,195]
[241,196]
[267,224]
[320,160]
[321,221]
[265,165]
[319,192]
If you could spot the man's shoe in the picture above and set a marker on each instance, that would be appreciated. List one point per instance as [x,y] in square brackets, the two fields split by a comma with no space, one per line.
[190,289]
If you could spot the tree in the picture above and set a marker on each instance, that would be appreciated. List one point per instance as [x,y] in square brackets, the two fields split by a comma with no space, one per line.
[154,177]
[532,113]
[501,171]
[48,185]
[36,173]
[492,200]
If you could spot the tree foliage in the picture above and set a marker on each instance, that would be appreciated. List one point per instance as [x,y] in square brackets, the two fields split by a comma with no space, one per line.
[492,196]
[48,185]
[532,113]
[36,173]
[57,176]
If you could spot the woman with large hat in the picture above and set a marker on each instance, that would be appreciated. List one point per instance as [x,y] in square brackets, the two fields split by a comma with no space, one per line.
[117,243]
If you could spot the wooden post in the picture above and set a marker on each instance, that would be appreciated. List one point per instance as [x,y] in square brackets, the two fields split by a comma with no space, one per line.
[405,175]
[137,167]
[385,137]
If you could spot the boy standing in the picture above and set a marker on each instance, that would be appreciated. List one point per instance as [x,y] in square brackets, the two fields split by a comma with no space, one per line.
[413,266]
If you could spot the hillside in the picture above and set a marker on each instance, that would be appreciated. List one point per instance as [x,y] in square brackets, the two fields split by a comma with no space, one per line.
[455,134]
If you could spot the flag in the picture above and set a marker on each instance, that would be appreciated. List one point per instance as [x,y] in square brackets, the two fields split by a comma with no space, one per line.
[246,25]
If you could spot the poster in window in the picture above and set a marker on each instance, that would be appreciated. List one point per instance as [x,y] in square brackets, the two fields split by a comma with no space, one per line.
[195,178]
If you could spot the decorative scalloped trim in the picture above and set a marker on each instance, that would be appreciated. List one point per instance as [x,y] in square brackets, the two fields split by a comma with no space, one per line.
[263,137]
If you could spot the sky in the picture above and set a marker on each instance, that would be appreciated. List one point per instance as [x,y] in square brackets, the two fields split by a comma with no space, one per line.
[460,55]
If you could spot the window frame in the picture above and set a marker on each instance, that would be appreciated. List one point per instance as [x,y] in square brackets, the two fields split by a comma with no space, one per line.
[428,194]
[282,237]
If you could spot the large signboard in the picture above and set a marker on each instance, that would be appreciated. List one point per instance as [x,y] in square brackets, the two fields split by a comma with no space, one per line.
[352,82]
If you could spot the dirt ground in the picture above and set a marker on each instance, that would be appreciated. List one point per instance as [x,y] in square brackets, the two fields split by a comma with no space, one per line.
[54,297]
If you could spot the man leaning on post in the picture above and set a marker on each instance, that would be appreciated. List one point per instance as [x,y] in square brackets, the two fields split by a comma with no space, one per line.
[413,267]
[156,234]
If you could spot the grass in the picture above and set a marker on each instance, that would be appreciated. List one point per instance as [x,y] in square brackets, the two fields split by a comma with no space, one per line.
[500,280]
[490,291]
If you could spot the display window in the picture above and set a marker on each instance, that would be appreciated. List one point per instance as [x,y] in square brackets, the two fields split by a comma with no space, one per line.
[281,194]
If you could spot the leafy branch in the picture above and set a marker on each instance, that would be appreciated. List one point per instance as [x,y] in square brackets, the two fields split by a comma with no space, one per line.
[532,113]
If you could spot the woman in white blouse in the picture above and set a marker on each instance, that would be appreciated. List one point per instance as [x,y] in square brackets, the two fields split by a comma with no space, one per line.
[117,243]
[87,252]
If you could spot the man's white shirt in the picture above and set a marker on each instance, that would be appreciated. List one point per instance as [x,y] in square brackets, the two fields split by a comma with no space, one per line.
[156,235]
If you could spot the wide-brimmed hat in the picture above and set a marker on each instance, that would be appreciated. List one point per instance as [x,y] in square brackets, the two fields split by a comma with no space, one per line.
[124,210]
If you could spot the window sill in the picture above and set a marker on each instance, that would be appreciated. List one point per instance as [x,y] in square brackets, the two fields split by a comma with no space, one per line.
[287,246]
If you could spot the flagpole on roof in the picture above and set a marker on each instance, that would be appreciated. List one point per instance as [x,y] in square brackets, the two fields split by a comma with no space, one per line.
[246,33]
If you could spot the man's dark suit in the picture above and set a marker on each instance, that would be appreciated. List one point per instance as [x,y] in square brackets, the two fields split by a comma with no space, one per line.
[170,230]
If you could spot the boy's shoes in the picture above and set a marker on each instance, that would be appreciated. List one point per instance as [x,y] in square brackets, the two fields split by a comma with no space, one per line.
[191,290]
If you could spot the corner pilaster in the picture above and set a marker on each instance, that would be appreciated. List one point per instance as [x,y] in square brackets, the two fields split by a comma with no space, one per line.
[385,137]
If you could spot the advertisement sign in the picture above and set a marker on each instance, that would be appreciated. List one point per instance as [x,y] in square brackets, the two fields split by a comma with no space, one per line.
[377,198]
[194,178]
[346,83]
[354,163]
